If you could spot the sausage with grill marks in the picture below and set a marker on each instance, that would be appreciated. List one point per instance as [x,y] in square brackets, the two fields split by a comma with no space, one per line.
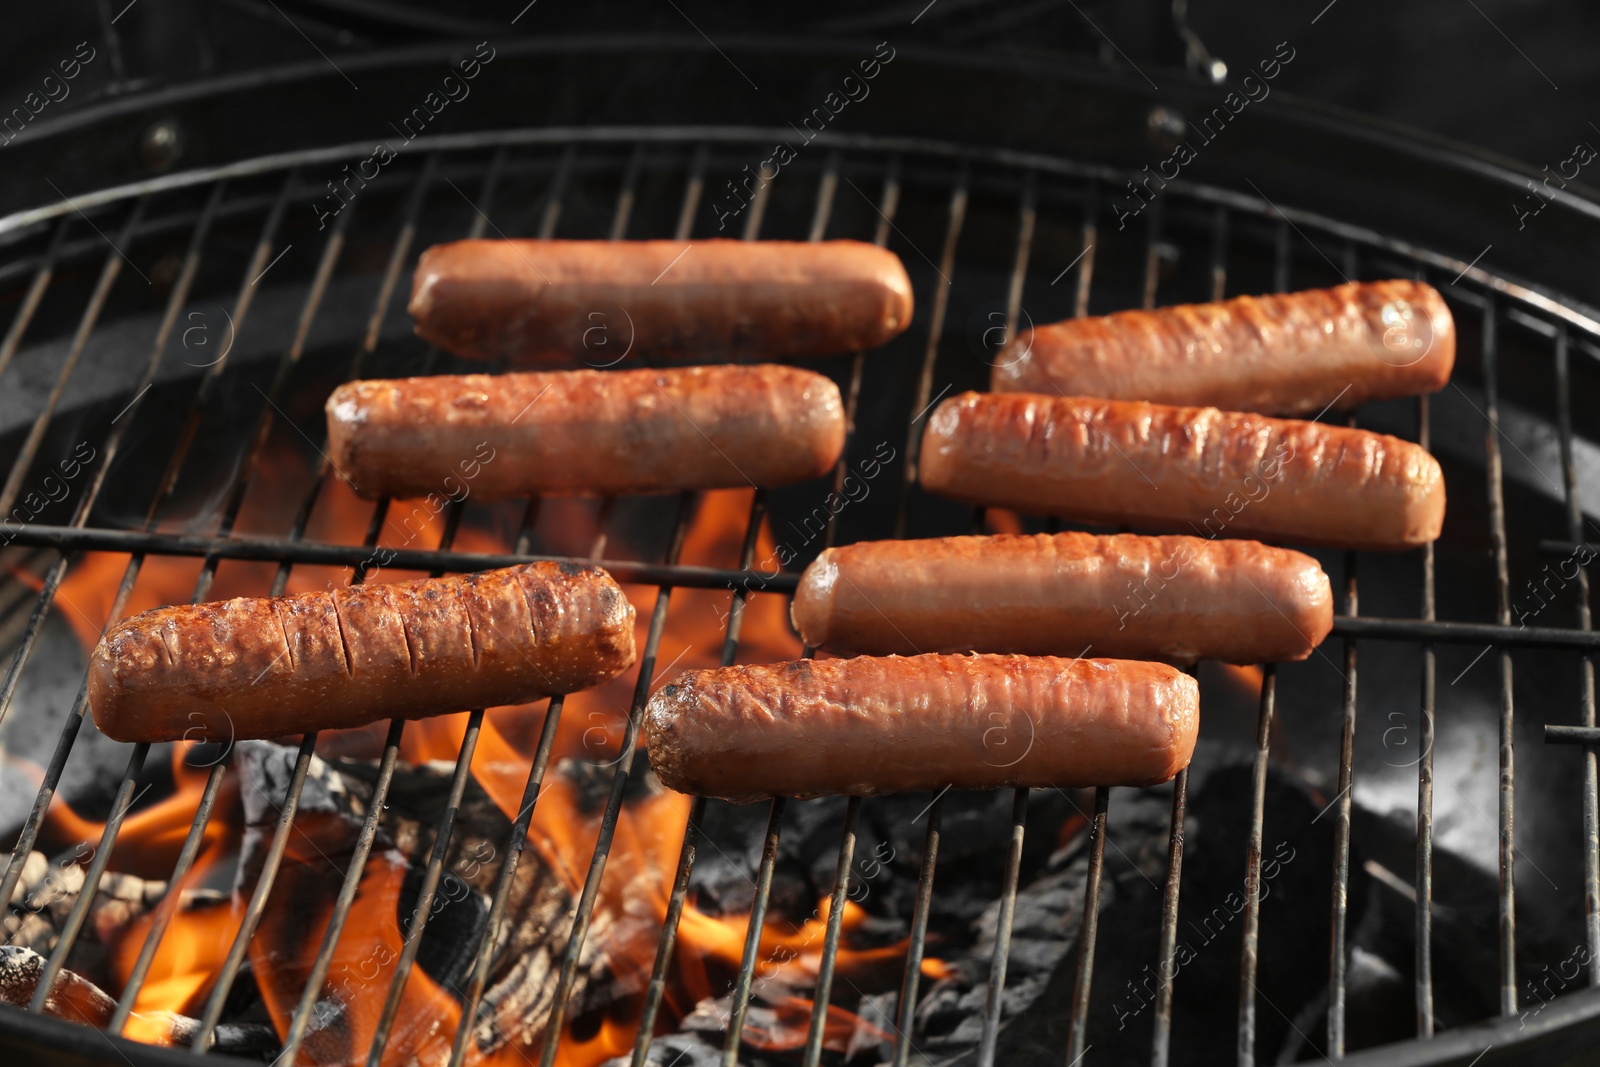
[871,725]
[1171,598]
[267,667]
[544,301]
[1286,353]
[639,431]
[1195,470]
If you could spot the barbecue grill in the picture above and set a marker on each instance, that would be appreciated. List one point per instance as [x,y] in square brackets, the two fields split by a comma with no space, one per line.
[1005,210]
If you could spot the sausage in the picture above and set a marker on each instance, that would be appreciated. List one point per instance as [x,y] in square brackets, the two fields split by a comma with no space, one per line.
[871,725]
[270,666]
[1171,598]
[688,301]
[1284,353]
[1195,470]
[639,431]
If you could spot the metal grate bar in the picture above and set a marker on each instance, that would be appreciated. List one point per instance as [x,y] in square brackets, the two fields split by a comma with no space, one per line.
[613,809]
[830,940]
[1152,255]
[1337,960]
[1280,264]
[242,302]
[558,191]
[36,288]
[752,938]
[1091,223]
[97,867]
[1167,970]
[625,199]
[993,994]
[258,899]
[825,194]
[1591,781]
[1027,221]
[1219,253]
[1078,1033]
[697,807]
[171,902]
[1424,873]
[930,355]
[693,190]
[1252,877]
[109,272]
[501,894]
[907,1008]
[430,886]
[347,892]
[1497,539]
[331,250]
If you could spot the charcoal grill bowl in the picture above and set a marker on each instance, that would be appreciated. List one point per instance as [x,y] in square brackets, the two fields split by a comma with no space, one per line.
[1382,187]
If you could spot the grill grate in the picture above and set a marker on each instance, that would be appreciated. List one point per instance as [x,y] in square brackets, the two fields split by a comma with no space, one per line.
[1046,194]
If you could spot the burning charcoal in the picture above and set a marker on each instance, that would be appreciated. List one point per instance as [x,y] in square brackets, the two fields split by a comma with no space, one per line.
[676,1050]
[456,921]
[250,1040]
[77,999]
[593,780]
[34,869]
[71,998]
[877,1010]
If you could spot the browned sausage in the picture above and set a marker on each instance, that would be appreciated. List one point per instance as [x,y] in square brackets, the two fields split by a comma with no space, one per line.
[1197,470]
[1170,598]
[266,667]
[1288,353]
[640,431]
[691,301]
[874,725]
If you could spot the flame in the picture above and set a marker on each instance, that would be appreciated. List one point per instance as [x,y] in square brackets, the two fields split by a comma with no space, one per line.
[1247,677]
[634,891]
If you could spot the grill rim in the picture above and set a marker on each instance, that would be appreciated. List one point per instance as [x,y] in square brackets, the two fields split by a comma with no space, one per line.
[1288,213]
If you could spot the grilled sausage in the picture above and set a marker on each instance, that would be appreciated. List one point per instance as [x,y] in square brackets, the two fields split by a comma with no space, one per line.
[1196,470]
[640,431]
[266,667]
[1287,353]
[694,301]
[873,725]
[1171,598]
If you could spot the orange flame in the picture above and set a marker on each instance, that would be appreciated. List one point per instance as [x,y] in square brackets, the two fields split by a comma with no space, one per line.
[643,857]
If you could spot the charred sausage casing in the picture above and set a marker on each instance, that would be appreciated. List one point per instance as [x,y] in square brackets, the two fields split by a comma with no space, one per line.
[873,725]
[563,432]
[267,667]
[1284,353]
[1125,596]
[530,301]
[1194,470]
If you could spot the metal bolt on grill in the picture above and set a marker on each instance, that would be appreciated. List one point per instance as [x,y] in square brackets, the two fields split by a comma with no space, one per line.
[849,186]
